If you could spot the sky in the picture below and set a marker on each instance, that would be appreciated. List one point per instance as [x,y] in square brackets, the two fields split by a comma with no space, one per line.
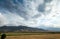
[32,13]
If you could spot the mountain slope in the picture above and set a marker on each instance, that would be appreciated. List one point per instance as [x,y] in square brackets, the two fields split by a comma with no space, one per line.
[20,29]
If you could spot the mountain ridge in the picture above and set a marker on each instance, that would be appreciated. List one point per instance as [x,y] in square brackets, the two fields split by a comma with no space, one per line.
[20,29]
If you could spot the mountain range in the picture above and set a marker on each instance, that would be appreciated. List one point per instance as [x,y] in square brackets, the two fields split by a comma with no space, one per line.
[27,29]
[20,29]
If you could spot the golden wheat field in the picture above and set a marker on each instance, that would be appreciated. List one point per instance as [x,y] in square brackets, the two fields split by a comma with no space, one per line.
[46,36]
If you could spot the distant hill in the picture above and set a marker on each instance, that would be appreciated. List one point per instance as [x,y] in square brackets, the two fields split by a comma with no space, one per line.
[53,29]
[20,29]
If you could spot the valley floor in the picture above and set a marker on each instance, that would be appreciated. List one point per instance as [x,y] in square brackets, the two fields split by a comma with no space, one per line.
[45,36]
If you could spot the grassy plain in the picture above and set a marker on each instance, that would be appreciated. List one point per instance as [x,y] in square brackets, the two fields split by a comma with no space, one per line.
[33,35]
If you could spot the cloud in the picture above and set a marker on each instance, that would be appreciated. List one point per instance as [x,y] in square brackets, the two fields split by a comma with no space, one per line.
[32,13]
[3,20]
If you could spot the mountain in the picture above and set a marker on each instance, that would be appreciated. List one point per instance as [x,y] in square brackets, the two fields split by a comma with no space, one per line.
[20,29]
[54,29]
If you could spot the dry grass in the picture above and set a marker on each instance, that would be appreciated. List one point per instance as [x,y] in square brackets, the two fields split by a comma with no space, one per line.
[45,36]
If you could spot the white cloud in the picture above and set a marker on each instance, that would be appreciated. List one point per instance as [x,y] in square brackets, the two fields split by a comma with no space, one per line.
[3,20]
[50,17]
